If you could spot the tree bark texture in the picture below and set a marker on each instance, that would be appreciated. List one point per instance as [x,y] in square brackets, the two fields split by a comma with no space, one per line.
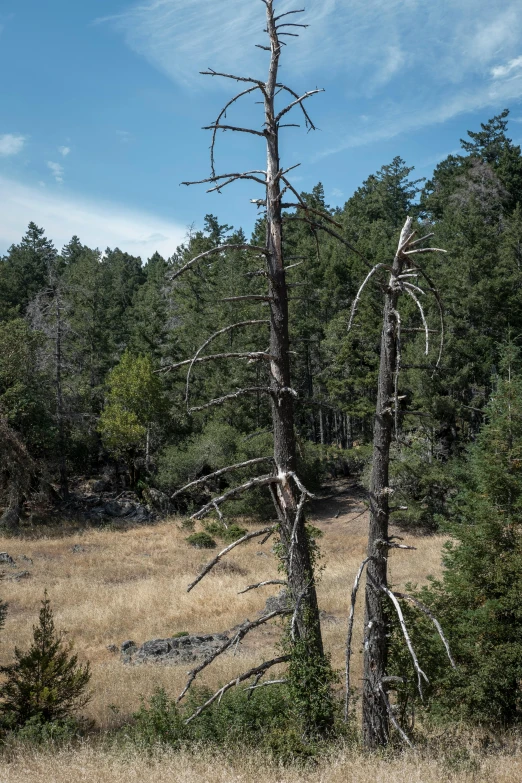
[375,713]
[301,581]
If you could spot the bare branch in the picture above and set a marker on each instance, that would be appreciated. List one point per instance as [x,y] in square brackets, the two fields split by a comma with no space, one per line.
[231,177]
[221,472]
[218,249]
[309,124]
[298,100]
[234,128]
[252,355]
[361,289]
[429,613]
[262,584]
[244,628]
[408,290]
[441,310]
[424,250]
[393,719]
[398,609]
[221,114]
[349,636]
[287,13]
[212,72]
[217,558]
[242,677]
[212,337]
[232,396]
[258,481]
[422,239]
[264,684]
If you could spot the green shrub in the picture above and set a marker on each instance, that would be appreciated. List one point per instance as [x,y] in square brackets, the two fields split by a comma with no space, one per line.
[46,683]
[158,723]
[227,534]
[201,540]
[179,634]
[477,601]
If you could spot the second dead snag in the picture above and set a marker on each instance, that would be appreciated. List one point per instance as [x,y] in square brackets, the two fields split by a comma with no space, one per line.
[377,712]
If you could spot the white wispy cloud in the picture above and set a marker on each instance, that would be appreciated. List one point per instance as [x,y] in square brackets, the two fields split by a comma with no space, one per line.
[11,144]
[420,62]
[501,71]
[64,151]
[98,224]
[57,171]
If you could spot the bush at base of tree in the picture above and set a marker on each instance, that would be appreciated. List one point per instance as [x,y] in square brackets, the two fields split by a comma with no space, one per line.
[46,684]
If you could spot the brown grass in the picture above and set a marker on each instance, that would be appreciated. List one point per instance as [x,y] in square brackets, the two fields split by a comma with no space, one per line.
[90,764]
[131,584]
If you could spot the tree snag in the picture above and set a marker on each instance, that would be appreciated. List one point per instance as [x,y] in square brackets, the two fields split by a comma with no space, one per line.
[311,675]
[376,709]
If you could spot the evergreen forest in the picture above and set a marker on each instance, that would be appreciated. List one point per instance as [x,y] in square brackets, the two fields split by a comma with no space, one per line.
[106,382]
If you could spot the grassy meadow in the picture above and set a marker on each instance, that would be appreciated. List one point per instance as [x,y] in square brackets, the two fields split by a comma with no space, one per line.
[107,586]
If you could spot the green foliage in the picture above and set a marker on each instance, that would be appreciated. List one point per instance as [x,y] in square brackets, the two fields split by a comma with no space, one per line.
[46,683]
[201,540]
[262,718]
[478,599]
[310,683]
[227,534]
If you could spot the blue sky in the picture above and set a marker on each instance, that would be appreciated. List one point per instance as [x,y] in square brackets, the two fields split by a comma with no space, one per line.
[102,104]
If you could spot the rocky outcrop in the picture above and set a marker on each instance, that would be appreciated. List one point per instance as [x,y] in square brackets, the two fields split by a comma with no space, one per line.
[177,649]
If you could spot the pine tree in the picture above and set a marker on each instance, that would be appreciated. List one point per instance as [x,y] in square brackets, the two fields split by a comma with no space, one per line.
[478,599]
[46,683]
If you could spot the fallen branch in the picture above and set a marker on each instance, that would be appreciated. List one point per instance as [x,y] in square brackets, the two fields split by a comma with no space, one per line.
[263,667]
[215,561]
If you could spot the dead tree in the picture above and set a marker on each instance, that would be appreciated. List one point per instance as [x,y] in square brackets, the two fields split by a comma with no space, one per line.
[18,470]
[376,709]
[288,494]
[48,314]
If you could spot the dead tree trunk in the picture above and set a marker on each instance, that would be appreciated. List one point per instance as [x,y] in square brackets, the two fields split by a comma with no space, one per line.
[375,713]
[301,582]
[309,667]
[60,414]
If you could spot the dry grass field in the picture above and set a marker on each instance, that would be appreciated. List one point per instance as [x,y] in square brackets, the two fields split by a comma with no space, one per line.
[107,586]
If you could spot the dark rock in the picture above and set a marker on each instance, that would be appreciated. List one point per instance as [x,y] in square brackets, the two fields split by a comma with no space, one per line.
[20,575]
[128,647]
[7,559]
[180,649]
[100,486]
[276,603]
[158,500]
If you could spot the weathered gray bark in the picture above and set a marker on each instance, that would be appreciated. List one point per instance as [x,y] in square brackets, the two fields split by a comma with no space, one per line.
[301,582]
[375,713]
